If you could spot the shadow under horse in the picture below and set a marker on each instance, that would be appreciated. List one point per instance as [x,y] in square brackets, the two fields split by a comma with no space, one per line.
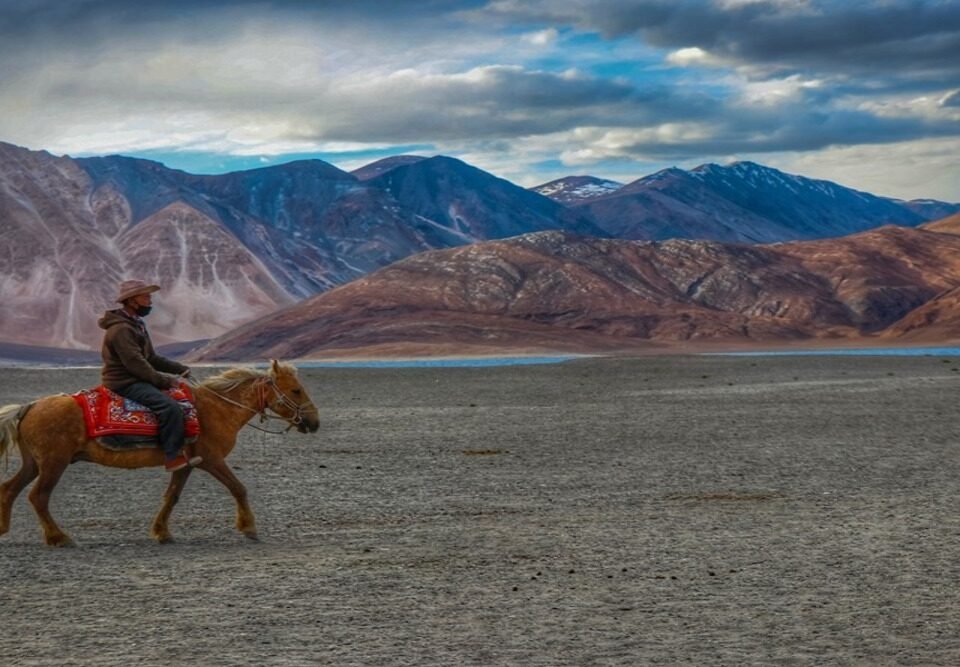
[51,434]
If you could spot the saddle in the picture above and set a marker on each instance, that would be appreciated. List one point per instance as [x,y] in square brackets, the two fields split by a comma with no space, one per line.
[120,423]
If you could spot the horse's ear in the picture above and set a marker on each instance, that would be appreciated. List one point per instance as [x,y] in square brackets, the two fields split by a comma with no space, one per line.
[275,367]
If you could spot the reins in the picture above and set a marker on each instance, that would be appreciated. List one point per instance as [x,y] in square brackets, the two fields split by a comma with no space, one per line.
[264,405]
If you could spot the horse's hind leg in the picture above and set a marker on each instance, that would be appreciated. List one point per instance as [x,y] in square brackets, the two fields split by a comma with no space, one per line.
[50,472]
[161,528]
[10,489]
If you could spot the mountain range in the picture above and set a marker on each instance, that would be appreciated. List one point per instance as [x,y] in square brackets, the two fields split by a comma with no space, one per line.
[743,202]
[231,248]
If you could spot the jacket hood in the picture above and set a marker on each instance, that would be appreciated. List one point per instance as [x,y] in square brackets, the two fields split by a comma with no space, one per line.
[112,318]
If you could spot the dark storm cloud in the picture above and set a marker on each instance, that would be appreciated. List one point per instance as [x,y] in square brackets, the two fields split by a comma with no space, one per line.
[803,132]
[33,32]
[496,102]
[21,18]
[909,40]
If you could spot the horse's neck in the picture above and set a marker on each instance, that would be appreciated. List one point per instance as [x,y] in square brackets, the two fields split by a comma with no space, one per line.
[234,408]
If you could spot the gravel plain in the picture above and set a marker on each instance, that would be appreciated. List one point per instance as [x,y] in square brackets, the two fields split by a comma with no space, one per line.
[669,510]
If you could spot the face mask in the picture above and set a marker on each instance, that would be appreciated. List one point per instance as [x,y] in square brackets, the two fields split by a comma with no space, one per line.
[143,311]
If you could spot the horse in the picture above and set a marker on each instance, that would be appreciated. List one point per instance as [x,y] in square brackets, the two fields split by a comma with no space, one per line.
[51,434]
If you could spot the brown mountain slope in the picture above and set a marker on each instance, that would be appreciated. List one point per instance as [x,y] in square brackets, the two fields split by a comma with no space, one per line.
[65,244]
[55,271]
[203,268]
[554,291]
[881,275]
[948,225]
[937,321]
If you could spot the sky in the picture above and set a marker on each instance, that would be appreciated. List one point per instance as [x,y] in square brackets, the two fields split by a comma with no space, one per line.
[864,93]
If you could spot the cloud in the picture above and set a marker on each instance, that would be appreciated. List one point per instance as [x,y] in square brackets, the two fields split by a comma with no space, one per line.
[951,99]
[927,168]
[407,105]
[680,142]
[694,56]
[542,37]
[270,86]
[511,83]
[912,41]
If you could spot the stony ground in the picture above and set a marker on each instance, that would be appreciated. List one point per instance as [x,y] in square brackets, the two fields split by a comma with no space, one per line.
[670,510]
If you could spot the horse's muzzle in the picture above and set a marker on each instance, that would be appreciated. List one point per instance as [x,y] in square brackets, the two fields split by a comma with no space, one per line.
[308,425]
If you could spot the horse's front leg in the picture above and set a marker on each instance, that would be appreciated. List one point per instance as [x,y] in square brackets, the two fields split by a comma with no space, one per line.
[161,529]
[246,524]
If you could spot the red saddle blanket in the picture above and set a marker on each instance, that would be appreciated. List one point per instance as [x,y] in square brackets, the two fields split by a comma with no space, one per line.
[107,413]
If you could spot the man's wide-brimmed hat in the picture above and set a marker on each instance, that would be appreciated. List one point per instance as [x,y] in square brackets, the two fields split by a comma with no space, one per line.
[131,288]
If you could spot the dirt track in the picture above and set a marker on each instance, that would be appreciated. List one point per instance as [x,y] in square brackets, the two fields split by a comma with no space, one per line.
[677,511]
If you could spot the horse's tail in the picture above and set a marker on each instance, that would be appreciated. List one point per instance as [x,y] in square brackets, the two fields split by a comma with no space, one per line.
[10,416]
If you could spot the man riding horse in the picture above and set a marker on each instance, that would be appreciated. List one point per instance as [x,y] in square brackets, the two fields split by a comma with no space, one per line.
[53,431]
[134,370]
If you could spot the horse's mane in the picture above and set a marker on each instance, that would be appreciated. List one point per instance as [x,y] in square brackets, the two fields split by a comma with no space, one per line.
[236,377]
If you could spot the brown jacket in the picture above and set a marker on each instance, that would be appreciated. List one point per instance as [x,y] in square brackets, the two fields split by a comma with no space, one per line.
[128,354]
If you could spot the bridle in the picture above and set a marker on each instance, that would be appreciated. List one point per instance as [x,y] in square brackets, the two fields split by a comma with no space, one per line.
[263,404]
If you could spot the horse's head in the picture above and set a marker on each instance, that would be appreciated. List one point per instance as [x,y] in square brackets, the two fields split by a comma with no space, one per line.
[290,399]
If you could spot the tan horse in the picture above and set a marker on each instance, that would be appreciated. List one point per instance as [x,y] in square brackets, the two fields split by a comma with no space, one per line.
[51,435]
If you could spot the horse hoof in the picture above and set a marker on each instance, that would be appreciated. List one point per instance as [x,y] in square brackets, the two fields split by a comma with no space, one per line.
[61,542]
[163,539]
[253,537]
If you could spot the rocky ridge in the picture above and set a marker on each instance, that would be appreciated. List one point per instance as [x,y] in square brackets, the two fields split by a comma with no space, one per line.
[554,291]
